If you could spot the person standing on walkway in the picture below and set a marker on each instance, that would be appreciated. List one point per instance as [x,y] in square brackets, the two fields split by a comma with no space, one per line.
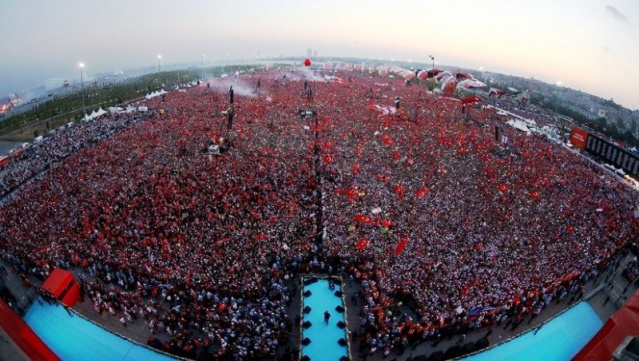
[327,316]
[461,339]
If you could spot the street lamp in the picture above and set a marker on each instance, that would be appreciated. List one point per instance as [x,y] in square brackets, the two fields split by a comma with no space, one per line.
[433,59]
[159,63]
[81,65]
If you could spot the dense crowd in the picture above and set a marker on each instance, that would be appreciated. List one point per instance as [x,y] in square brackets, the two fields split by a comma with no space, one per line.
[459,228]
[39,156]
[420,204]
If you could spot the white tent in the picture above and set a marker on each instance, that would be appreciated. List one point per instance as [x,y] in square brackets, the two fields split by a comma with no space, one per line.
[155,94]
[94,114]
[518,124]
[120,110]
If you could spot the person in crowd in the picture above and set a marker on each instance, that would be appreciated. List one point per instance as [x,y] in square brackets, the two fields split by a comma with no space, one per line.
[230,113]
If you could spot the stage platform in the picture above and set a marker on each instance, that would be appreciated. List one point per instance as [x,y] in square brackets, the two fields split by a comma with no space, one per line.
[72,337]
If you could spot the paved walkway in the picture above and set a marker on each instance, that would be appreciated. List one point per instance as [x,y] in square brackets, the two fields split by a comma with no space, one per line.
[6,146]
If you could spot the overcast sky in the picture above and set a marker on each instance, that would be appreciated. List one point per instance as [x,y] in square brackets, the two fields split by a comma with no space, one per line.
[589,45]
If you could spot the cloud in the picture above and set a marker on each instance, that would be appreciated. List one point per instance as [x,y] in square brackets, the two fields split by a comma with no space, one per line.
[616,13]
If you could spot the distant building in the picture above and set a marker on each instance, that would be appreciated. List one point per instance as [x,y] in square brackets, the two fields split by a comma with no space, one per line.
[315,54]
[309,51]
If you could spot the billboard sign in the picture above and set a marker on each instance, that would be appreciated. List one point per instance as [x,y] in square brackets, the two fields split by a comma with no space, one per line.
[578,138]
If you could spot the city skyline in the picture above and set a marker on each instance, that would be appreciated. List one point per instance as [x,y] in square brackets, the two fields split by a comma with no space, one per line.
[588,46]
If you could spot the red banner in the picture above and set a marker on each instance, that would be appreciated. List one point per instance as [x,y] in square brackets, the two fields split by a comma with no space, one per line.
[578,138]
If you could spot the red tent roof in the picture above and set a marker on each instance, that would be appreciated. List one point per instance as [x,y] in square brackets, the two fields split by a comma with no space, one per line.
[62,285]
[57,281]
[624,322]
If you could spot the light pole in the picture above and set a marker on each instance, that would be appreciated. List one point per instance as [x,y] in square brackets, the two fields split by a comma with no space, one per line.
[159,63]
[433,73]
[81,65]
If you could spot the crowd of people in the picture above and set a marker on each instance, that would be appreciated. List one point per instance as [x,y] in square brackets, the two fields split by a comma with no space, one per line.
[38,156]
[431,210]
[420,204]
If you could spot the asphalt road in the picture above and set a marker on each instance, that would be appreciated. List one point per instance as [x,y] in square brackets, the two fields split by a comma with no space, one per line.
[6,146]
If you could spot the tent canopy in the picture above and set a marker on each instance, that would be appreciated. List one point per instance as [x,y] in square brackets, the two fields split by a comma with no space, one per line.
[518,124]
[94,114]
[624,322]
[61,284]
[155,94]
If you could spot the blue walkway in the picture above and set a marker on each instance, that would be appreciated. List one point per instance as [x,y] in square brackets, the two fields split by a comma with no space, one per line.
[560,339]
[74,338]
[323,337]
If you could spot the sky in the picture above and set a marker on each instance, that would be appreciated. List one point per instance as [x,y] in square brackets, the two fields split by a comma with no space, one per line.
[588,45]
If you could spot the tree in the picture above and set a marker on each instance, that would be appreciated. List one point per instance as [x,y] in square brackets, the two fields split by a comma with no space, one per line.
[613,131]
[97,96]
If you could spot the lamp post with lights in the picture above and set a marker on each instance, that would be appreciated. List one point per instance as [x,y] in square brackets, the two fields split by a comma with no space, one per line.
[81,65]
[433,72]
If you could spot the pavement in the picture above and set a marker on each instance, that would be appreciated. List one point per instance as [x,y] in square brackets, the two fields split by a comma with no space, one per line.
[6,146]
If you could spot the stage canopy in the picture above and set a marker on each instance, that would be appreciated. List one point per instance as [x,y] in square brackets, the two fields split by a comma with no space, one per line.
[624,322]
[63,287]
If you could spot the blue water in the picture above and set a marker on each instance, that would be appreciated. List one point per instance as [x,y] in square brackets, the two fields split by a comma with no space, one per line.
[74,338]
[323,337]
[560,339]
